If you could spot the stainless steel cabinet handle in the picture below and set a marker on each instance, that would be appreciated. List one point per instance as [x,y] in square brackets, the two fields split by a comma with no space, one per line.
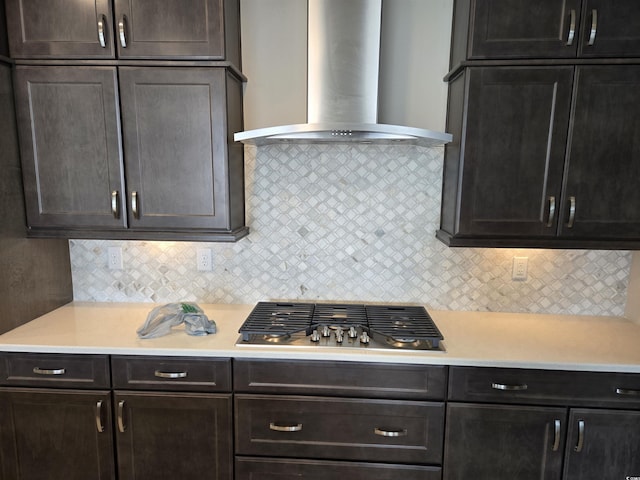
[552,210]
[285,428]
[161,374]
[115,209]
[121,426]
[594,27]
[580,444]
[556,435]
[572,27]
[47,371]
[572,212]
[390,433]
[102,31]
[511,388]
[99,424]
[134,204]
[121,31]
[625,391]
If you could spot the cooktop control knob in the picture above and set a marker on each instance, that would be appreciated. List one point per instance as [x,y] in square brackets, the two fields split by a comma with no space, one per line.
[352,332]
[339,335]
[315,336]
[364,338]
[325,331]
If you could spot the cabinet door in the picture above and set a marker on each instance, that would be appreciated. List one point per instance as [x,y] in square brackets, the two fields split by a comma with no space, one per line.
[49,434]
[611,28]
[603,167]
[512,150]
[60,29]
[70,146]
[500,442]
[174,28]
[603,444]
[524,29]
[164,436]
[175,144]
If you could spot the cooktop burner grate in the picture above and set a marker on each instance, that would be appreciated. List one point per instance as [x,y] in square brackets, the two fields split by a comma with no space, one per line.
[337,315]
[272,318]
[403,324]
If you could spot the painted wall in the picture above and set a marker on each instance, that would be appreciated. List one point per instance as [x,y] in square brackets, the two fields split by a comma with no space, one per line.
[350,223]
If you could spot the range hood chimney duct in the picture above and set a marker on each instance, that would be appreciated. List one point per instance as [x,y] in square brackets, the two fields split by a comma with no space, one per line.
[342,86]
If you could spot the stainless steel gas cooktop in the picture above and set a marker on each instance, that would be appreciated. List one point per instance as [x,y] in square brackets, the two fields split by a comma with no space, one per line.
[341,326]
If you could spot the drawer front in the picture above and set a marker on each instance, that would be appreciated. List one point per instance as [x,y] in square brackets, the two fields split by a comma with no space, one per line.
[510,385]
[171,373]
[371,380]
[54,370]
[349,429]
[251,468]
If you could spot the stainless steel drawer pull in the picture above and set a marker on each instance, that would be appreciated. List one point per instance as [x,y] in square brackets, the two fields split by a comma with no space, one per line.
[46,371]
[556,435]
[580,444]
[114,204]
[121,31]
[625,391]
[390,433]
[572,27]
[102,31]
[572,212]
[285,428]
[552,210]
[121,426]
[594,27]
[134,204]
[510,388]
[99,424]
[161,374]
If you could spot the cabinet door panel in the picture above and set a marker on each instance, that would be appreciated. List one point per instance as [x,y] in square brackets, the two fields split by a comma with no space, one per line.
[500,442]
[603,165]
[616,28]
[173,436]
[516,129]
[524,29]
[70,145]
[59,29]
[48,434]
[174,122]
[610,446]
[180,28]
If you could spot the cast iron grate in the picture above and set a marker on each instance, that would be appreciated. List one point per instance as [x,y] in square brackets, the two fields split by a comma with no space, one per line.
[274,318]
[339,315]
[403,323]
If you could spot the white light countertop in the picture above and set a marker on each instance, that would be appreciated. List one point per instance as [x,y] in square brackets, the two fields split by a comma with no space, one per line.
[556,342]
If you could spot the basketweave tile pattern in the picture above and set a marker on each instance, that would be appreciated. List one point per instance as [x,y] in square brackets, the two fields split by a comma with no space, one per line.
[351,223]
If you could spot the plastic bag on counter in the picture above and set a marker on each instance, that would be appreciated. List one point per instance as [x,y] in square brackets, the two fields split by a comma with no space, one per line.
[161,319]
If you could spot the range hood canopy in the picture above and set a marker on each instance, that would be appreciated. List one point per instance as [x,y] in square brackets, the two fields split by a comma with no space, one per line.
[342,86]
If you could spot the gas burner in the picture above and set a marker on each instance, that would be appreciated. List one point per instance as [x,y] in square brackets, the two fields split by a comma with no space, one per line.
[341,326]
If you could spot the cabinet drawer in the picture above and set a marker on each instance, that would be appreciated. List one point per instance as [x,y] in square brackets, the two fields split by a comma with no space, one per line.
[369,380]
[288,469]
[171,373]
[350,429]
[54,370]
[507,385]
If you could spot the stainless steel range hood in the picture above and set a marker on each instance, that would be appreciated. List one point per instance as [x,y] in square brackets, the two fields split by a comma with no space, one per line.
[342,87]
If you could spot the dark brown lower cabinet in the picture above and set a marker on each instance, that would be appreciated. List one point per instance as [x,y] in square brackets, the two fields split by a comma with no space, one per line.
[257,468]
[162,436]
[496,442]
[55,434]
[603,444]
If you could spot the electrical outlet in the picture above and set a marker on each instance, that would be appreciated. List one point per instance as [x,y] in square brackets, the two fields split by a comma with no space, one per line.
[203,259]
[520,267]
[114,258]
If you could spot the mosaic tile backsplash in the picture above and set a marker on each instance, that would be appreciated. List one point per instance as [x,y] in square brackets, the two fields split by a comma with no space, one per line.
[351,223]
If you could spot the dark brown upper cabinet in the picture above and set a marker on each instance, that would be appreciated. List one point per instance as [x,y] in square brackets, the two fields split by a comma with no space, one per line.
[184,174]
[519,29]
[141,29]
[543,157]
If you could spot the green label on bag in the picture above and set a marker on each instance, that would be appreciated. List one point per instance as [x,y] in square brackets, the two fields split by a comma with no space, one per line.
[186,308]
